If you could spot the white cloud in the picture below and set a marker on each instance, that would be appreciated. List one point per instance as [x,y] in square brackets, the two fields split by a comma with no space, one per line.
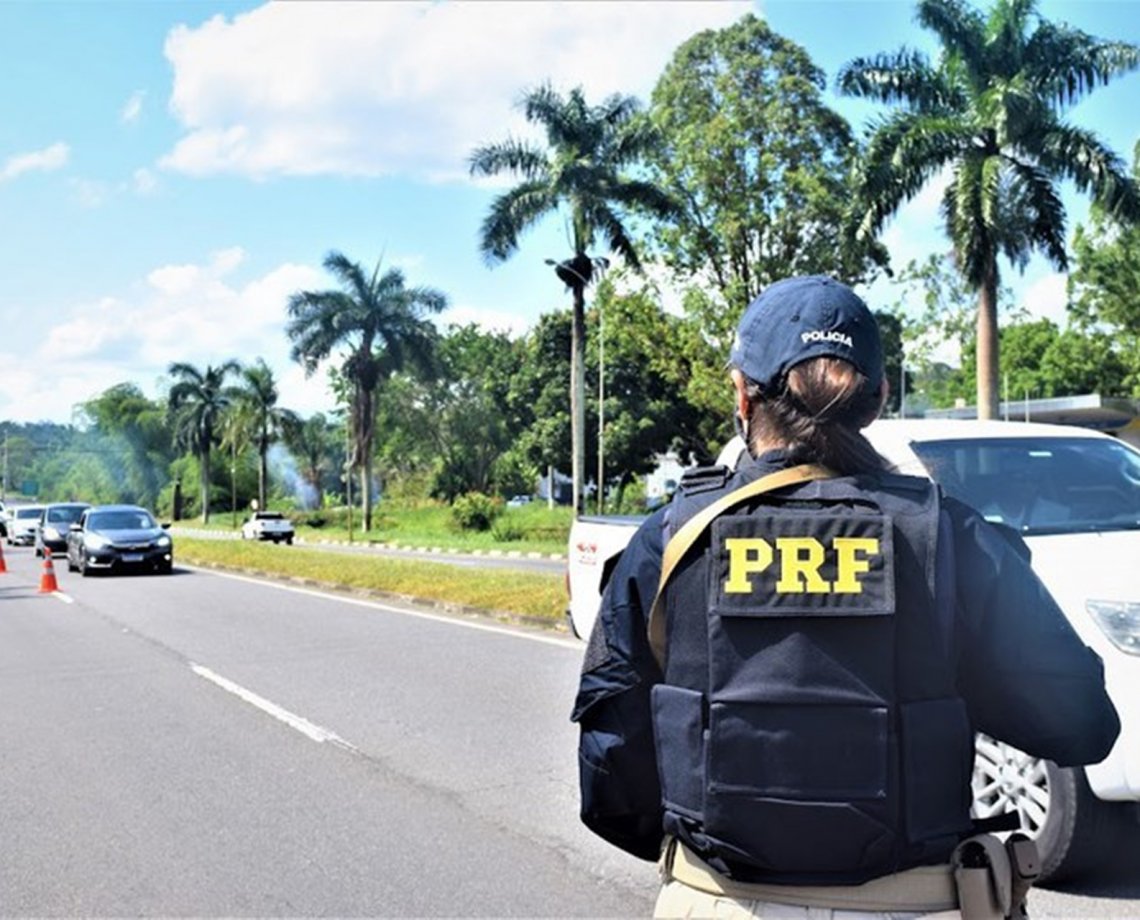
[196,313]
[1047,298]
[46,160]
[89,193]
[132,108]
[377,88]
[489,320]
[143,182]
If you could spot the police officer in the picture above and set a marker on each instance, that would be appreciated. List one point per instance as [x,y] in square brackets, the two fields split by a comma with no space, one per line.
[789,720]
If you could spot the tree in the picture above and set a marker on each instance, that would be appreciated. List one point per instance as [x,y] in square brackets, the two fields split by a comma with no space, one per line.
[136,432]
[383,325]
[760,165]
[266,422]
[991,110]
[196,402]
[581,170]
[1104,282]
[312,445]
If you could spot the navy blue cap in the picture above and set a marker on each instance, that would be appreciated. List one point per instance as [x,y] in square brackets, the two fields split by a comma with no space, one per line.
[805,317]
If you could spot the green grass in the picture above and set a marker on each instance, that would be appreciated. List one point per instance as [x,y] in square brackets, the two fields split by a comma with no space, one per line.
[520,595]
[534,528]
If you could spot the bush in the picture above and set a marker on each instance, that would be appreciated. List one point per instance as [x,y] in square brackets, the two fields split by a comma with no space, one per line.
[474,511]
[507,532]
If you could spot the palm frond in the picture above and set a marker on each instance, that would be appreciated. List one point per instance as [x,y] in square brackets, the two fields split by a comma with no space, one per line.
[511,214]
[1034,194]
[562,119]
[510,155]
[644,196]
[960,28]
[1093,167]
[904,76]
[1065,64]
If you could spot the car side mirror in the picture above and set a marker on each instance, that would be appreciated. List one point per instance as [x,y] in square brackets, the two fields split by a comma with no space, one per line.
[166,526]
[76,527]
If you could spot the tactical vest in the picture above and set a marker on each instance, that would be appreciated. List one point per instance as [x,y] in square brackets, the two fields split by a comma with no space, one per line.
[808,730]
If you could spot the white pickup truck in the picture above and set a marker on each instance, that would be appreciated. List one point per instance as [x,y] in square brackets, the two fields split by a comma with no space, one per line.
[268,525]
[1081,520]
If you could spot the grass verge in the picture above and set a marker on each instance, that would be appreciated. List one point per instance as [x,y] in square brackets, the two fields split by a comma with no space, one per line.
[523,596]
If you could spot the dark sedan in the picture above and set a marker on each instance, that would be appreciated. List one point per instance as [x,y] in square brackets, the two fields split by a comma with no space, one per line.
[118,537]
[55,525]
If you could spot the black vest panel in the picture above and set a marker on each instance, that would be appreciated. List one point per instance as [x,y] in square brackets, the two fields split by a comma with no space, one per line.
[808,730]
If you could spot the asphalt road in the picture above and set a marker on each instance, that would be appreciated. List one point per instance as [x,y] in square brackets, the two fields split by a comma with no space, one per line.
[205,745]
[517,561]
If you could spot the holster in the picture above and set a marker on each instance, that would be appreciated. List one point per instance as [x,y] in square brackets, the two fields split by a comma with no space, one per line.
[993,879]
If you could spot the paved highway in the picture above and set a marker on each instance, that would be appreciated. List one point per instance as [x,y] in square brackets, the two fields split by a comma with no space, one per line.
[206,745]
[526,562]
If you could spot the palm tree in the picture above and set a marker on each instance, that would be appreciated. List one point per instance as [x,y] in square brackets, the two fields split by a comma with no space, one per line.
[579,170]
[992,111]
[382,324]
[196,403]
[267,422]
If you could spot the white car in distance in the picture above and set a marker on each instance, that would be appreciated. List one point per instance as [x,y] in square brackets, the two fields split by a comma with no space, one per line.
[268,525]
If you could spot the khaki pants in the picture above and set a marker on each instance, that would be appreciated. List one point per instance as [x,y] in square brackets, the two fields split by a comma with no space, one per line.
[691,888]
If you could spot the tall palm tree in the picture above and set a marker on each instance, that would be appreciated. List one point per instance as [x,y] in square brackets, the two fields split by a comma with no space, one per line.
[383,325]
[580,170]
[196,403]
[991,110]
[266,421]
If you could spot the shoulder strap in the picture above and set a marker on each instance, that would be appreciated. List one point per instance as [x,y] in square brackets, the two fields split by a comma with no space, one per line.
[684,538]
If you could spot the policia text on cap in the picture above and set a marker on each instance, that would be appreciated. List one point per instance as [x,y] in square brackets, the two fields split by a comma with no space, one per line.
[779,698]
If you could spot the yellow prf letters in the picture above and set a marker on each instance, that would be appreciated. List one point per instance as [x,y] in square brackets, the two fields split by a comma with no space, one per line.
[800,561]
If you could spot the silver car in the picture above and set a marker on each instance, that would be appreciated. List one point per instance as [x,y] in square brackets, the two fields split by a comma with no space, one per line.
[23,521]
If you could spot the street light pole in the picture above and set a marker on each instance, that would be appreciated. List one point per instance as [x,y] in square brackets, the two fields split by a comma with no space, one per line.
[601,410]
[575,400]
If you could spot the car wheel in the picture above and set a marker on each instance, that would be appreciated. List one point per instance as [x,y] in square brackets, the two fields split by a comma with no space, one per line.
[289,541]
[163,568]
[1075,831]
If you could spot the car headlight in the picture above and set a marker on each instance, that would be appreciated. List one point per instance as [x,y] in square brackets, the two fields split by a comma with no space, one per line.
[163,541]
[94,541]
[1120,621]
[51,533]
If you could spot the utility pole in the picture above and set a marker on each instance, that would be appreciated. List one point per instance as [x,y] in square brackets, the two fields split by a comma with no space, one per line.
[4,485]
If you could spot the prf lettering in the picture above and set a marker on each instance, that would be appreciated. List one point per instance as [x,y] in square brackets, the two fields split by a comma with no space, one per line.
[800,559]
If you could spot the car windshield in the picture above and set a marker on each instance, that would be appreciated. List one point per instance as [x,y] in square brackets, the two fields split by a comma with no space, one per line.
[268,515]
[1041,485]
[26,513]
[121,520]
[64,515]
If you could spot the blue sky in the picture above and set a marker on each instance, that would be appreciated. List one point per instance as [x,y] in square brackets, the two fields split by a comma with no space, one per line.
[170,172]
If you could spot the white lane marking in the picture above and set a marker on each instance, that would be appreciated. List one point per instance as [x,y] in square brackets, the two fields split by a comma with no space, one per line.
[567,642]
[60,596]
[304,726]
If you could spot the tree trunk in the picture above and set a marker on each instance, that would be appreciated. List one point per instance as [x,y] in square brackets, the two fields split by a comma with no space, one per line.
[204,478]
[578,398]
[262,474]
[987,344]
[366,492]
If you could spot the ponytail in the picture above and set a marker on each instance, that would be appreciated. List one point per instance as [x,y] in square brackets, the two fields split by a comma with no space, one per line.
[819,413]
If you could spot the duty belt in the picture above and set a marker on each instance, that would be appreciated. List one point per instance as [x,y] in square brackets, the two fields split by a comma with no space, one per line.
[986,880]
[925,889]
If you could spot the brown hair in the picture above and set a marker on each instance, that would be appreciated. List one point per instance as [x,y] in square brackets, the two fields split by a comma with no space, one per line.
[818,413]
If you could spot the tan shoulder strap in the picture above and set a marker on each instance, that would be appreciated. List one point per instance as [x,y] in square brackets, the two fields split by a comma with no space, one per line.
[676,548]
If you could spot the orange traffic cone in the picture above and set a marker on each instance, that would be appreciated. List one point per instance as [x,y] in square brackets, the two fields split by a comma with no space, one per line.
[3,565]
[48,584]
